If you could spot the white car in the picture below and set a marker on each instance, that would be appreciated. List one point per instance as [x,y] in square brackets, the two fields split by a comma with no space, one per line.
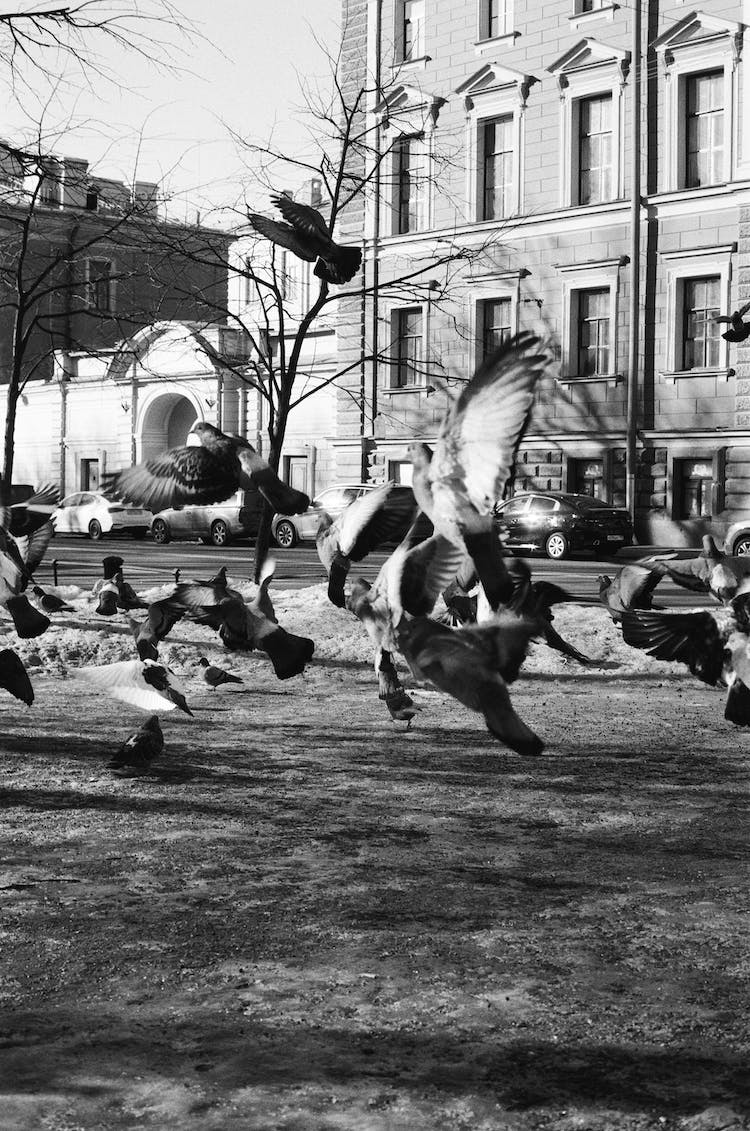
[89,513]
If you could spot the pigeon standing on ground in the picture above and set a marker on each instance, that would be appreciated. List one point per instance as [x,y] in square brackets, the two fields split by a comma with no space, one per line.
[139,750]
[108,595]
[110,565]
[14,677]
[208,472]
[740,330]
[50,602]
[216,677]
[306,234]
[458,484]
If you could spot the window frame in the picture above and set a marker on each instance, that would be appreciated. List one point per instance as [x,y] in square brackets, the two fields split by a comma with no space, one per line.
[418,54]
[91,283]
[397,204]
[577,278]
[577,131]
[496,287]
[679,266]
[396,314]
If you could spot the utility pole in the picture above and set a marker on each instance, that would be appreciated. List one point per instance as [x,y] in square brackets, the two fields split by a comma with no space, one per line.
[631,454]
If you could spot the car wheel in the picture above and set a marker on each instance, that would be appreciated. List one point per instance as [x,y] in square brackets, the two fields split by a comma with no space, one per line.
[285,535]
[160,532]
[219,532]
[741,547]
[95,530]
[556,546]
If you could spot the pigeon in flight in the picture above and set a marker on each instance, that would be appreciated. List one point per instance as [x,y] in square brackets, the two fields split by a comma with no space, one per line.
[713,643]
[711,571]
[50,602]
[34,512]
[14,677]
[630,588]
[377,516]
[216,677]
[161,618]
[19,557]
[306,234]
[459,483]
[139,750]
[740,330]
[208,472]
[141,683]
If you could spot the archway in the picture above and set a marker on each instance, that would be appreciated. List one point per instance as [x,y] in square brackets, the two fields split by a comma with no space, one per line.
[166,423]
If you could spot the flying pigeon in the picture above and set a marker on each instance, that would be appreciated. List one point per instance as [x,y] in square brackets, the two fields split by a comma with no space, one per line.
[740,330]
[631,588]
[205,473]
[161,618]
[139,750]
[306,234]
[400,704]
[533,600]
[14,677]
[474,665]
[50,602]
[711,571]
[713,643]
[459,483]
[30,515]
[141,683]
[375,517]
[19,557]
[216,677]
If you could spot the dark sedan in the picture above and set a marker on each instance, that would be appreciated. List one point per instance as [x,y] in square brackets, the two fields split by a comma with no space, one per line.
[559,524]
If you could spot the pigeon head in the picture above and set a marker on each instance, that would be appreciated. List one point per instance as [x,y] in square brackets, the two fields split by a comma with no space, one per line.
[38,591]
[604,582]
[203,662]
[111,565]
[204,433]
[419,454]
[153,724]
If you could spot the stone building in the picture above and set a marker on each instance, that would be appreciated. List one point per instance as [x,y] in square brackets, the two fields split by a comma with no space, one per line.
[505,128]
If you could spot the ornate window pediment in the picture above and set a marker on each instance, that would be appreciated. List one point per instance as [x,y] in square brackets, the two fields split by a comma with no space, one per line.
[590,55]
[409,109]
[494,79]
[699,31]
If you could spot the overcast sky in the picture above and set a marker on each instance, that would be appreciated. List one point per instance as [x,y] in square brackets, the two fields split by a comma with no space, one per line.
[242,78]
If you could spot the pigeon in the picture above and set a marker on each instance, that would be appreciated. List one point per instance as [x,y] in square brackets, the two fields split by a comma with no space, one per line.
[458,483]
[50,602]
[110,566]
[19,557]
[711,571]
[108,595]
[306,234]
[127,598]
[630,588]
[261,602]
[139,750]
[14,677]
[534,600]
[161,618]
[205,473]
[216,677]
[740,330]
[713,643]
[32,514]
[474,665]
[141,683]
[244,629]
[401,706]
[375,517]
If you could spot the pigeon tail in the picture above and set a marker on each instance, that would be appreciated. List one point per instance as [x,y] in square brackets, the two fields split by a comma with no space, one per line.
[737,710]
[555,640]
[27,621]
[504,723]
[288,653]
[336,578]
[340,265]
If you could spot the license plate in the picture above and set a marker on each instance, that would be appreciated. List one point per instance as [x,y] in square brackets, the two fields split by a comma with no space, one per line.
[614,538]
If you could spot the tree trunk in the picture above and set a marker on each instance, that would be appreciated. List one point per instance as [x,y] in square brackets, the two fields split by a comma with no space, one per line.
[11,408]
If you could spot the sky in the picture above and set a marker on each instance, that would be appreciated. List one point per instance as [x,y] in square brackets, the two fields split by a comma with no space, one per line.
[239,74]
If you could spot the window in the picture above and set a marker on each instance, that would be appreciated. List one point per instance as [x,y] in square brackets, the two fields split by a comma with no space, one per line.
[587,477]
[540,505]
[401,471]
[494,18]
[99,285]
[495,324]
[593,332]
[701,338]
[90,474]
[497,167]
[92,199]
[410,184]
[704,129]
[514,507]
[595,149]
[408,347]
[412,29]
[693,483]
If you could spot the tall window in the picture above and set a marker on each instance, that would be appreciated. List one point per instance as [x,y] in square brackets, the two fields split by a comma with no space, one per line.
[704,132]
[587,477]
[593,332]
[494,315]
[408,346]
[494,18]
[701,338]
[693,483]
[595,149]
[410,184]
[412,29]
[497,168]
[99,285]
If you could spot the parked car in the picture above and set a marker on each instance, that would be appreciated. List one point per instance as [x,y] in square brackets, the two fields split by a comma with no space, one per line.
[560,524]
[89,513]
[737,537]
[215,523]
[289,529]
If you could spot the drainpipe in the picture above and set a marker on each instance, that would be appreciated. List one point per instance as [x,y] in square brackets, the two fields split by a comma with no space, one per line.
[635,267]
[133,417]
[376,227]
[63,429]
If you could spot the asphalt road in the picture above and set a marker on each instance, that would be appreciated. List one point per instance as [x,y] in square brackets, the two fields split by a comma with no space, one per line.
[79,563]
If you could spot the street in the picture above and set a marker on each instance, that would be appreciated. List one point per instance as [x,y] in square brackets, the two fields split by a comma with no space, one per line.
[78,562]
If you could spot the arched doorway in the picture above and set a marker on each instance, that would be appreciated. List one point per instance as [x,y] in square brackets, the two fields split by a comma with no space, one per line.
[166,423]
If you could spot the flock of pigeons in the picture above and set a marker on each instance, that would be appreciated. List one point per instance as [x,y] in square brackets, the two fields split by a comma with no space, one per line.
[448,548]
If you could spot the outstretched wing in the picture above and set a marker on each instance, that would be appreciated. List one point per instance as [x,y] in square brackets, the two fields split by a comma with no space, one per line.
[478,440]
[377,516]
[181,475]
[124,680]
[302,217]
[427,569]
[283,235]
[689,638]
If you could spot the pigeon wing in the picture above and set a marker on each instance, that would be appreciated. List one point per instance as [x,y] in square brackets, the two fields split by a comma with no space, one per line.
[304,219]
[124,680]
[283,235]
[181,475]
[693,639]
[479,437]
[427,569]
[377,516]
[637,583]
[257,473]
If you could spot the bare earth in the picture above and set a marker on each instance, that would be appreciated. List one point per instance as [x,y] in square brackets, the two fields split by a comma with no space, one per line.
[306,917]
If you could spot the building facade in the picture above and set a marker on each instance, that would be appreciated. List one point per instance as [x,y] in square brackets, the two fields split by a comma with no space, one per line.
[504,132]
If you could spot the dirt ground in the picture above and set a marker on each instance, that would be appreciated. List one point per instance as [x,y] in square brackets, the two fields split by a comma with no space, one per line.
[307,917]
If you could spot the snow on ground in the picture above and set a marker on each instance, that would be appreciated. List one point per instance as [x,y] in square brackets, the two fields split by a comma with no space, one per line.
[83,637]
